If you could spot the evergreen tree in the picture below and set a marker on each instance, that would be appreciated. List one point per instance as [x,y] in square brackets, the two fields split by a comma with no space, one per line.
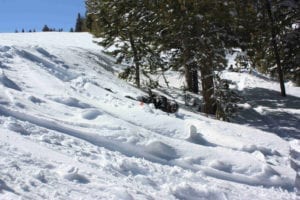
[46,29]
[89,22]
[127,23]
[226,99]
[79,23]
[71,30]
[290,39]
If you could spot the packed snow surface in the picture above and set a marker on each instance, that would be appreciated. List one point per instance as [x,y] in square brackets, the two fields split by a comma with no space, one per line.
[68,131]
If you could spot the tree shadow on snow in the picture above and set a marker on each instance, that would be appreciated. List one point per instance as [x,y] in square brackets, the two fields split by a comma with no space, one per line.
[268,111]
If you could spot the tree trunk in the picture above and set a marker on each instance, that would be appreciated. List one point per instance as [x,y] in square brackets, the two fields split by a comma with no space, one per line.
[275,48]
[135,60]
[209,106]
[191,72]
[195,82]
[191,77]
[188,77]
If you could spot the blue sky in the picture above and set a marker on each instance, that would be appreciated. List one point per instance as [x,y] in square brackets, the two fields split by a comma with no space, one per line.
[34,14]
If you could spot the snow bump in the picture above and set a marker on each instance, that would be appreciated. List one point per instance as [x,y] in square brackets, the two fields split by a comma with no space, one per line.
[90,114]
[161,150]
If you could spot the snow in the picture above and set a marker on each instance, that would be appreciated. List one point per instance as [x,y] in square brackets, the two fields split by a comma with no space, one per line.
[68,131]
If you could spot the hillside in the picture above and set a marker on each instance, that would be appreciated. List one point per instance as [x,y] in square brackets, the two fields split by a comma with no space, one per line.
[67,131]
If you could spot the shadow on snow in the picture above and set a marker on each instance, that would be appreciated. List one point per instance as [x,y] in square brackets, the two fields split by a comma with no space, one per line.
[270,112]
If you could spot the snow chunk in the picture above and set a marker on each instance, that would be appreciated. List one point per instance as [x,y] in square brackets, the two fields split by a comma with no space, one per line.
[197,138]
[73,175]
[41,176]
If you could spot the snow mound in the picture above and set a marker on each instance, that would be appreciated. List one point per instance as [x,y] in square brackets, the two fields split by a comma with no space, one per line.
[161,150]
[73,175]
[91,114]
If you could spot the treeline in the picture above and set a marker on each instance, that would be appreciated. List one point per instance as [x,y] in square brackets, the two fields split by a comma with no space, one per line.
[23,30]
[80,26]
[193,36]
[47,29]
[44,29]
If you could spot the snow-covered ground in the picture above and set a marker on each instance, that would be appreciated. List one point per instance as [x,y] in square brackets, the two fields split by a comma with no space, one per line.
[67,131]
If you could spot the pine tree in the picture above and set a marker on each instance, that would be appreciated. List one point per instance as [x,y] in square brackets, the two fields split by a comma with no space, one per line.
[46,29]
[79,23]
[126,24]
[290,39]
[89,22]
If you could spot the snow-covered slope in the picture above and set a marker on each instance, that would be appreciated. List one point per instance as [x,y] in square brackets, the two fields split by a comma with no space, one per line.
[67,131]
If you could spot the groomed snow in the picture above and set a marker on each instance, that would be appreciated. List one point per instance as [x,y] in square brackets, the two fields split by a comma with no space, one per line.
[67,131]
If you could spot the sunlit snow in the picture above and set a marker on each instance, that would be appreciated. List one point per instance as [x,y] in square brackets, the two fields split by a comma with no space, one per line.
[68,131]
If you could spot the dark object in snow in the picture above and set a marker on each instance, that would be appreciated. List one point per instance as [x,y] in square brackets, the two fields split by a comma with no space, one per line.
[160,102]
[130,97]
[108,89]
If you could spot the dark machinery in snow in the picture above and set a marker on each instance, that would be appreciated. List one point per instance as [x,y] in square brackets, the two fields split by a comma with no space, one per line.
[160,102]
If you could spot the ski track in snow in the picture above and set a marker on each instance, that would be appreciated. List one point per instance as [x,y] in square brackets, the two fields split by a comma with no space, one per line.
[68,132]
